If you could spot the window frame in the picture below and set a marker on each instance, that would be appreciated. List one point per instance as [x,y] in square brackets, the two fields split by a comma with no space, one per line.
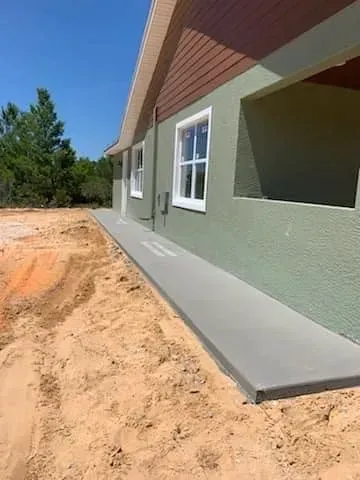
[198,205]
[133,192]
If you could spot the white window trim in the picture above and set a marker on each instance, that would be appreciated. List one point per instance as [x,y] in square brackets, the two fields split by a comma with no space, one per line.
[137,193]
[177,200]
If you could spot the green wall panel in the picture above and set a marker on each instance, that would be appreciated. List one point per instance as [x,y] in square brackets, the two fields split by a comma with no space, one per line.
[306,256]
[140,209]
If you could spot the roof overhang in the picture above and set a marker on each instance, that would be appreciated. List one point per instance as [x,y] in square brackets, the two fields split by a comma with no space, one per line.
[157,25]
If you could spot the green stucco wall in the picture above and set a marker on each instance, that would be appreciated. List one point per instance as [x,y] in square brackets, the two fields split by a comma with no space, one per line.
[306,256]
[140,209]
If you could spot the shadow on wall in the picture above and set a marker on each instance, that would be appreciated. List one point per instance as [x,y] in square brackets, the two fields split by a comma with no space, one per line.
[117,169]
[301,144]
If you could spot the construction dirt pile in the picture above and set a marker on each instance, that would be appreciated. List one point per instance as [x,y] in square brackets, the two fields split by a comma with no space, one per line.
[100,379]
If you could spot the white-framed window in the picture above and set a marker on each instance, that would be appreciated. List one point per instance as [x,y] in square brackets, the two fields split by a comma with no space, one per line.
[137,171]
[191,159]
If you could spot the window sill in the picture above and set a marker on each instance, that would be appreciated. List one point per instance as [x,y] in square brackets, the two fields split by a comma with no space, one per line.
[188,204]
[138,195]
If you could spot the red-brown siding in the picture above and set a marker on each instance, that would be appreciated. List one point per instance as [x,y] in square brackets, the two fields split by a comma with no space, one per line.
[162,67]
[220,39]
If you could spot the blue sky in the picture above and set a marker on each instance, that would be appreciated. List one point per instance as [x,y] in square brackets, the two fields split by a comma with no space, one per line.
[83,51]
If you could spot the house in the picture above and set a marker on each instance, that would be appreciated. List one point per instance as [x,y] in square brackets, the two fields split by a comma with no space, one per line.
[241,142]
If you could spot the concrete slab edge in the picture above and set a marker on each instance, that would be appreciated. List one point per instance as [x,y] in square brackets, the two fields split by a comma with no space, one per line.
[255,394]
[319,386]
[225,366]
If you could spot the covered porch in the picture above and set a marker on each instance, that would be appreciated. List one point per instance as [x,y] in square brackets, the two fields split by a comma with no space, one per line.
[303,141]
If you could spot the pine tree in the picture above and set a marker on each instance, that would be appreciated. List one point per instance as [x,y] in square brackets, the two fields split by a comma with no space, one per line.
[49,150]
[38,165]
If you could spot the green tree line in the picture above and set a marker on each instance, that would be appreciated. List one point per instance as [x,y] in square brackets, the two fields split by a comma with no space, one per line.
[39,167]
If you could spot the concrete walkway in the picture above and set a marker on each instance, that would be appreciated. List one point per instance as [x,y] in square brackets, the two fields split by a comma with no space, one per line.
[270,350]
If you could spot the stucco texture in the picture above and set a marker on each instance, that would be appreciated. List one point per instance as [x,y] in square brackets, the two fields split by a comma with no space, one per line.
[140,209]
[300,144]
[306,256]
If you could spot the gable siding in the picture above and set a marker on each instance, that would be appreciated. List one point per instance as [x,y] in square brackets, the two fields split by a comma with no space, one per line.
[222,39]
[165,58]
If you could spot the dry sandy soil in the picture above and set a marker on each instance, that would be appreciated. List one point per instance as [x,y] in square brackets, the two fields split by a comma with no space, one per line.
[99,379]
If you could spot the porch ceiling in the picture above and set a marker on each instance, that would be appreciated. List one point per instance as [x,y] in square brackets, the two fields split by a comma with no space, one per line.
[345,76]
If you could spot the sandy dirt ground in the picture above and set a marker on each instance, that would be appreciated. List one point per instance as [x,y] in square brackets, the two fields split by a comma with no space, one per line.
[100,380]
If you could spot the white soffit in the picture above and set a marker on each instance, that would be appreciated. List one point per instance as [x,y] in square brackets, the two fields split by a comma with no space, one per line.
[155,32]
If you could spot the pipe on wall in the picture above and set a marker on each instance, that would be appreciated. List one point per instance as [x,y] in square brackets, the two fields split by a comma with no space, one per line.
[155,149]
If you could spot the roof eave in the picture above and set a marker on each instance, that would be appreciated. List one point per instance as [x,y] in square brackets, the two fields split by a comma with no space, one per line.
[157,25]
[113,150]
